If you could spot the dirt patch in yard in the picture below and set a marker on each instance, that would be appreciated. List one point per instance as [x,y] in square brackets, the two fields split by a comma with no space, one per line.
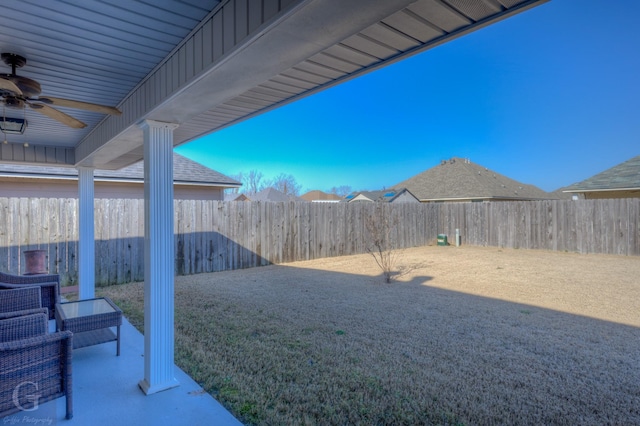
[465,335]
[598,286]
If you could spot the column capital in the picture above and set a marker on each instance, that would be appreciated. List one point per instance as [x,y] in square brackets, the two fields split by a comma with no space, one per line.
[86,168]
[157,124]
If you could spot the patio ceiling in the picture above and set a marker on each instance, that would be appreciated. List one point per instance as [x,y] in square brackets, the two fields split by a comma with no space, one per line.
[203,64]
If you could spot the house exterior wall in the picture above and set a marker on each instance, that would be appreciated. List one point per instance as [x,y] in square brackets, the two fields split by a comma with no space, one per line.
[406,198]
[599,195]
[481,200]
[459,200]
[359,197]
[68,188]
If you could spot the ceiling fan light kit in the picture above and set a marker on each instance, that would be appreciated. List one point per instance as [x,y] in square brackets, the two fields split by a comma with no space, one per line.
[18,92]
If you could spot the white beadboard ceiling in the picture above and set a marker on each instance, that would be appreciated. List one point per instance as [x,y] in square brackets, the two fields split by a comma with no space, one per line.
[203,64]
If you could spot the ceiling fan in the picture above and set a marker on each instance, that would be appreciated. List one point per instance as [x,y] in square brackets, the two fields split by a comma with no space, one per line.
[17,91]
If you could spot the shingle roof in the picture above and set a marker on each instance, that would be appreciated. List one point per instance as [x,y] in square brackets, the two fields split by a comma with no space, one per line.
[319,196]
[560,194]
[236,197]
[272,194]
[459,178]
[623,176]
[383,195]
[185,171]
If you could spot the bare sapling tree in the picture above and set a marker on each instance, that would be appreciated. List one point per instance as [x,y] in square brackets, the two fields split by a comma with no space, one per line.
[253,182]
[341,191]
[286,184]
[381,226]
[238,177]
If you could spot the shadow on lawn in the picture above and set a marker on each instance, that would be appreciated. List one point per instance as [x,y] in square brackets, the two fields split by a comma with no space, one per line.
[484,360]
[406,352]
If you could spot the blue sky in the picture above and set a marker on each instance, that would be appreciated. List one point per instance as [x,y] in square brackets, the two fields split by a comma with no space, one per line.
[548,97]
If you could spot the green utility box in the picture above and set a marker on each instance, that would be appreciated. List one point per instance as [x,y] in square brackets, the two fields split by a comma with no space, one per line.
[442,240]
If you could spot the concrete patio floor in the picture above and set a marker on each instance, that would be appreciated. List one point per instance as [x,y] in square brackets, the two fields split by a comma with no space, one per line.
[106,392]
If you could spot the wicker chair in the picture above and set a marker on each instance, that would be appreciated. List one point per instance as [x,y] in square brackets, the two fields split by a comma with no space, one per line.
[33,362]
[21,301]
[49,286]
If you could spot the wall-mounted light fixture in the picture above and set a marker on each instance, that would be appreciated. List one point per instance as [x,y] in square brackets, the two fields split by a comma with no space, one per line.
[13,126]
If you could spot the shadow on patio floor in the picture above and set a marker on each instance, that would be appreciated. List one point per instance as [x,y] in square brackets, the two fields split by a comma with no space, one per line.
[106,392]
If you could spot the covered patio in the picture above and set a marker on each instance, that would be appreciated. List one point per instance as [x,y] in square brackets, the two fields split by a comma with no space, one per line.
[105,392]
[176,71]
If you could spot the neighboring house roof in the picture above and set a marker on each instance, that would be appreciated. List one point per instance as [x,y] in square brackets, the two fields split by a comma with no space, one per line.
[185,172]
[460,179]
[382,196]
[560,194]
[316,195]
[623,177]
[236,197]
[272,194]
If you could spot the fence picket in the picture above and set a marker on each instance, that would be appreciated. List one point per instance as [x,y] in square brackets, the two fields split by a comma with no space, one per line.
[216,235]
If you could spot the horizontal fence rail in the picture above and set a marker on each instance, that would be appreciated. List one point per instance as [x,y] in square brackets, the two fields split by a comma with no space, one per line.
[217,235]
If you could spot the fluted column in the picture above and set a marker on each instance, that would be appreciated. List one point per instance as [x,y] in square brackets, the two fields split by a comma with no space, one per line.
[86,239]
[158,257]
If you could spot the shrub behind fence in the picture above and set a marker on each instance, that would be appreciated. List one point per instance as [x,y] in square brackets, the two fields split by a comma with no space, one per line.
[216,235]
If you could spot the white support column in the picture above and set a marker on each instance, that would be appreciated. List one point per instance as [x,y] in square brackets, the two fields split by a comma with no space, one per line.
[86,240]
[159,263]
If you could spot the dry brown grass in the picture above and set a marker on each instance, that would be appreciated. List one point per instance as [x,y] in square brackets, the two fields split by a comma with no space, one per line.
[468,335]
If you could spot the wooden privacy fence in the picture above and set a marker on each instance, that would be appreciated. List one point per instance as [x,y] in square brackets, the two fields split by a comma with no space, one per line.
[215,235]
[585,226]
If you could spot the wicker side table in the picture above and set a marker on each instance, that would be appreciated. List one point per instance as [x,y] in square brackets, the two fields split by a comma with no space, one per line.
[90,321]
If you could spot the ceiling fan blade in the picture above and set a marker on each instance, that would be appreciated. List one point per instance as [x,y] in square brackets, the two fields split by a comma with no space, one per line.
[78,105]
[57,115]
[10,86]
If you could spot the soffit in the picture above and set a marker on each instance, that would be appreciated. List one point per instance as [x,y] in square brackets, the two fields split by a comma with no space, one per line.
[92,51]
[206,65]
[291,69]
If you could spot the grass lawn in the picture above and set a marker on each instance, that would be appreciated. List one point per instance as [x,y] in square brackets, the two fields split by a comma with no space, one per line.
[466,335]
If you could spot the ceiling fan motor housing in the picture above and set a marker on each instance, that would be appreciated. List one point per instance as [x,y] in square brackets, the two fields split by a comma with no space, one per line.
[14,60]
[30,88]
[13,102]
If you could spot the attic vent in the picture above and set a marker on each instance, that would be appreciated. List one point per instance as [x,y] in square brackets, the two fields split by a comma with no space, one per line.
[503,185]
